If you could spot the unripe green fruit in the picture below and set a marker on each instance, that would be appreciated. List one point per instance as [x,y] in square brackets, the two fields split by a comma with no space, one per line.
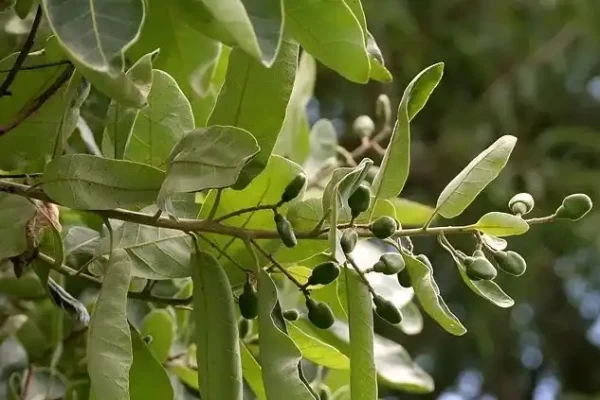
[244,327]
[389,264]
[383,227]
[404,278]
[285,230]
[521,203]
[248,302]
[363,126]
[348,240]
[324,273]
[510,262]
[387,310]
[360,200]
[481,269]
[291,315]
[479,253]
[574,207]
[293,189]
[319,314]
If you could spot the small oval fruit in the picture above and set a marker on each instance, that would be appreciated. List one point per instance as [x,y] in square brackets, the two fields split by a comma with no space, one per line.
[389,264]
[244,327]
[363,126]
[324,273]
[319,314]
[291,314]
[404,278]
[360,200]
[293,189]
[387,310]
[481,269]
[285,230]
[574,207]
[383,227]
[348,240]
[521,203]
[248,302]
[510,262]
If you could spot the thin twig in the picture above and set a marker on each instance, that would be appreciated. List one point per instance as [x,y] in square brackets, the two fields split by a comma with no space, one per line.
[39,66]
[17,176]
[360,273]
[215,205]
[245,211]
[223,253]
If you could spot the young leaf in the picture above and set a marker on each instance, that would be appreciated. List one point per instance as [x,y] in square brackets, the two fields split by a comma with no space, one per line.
[363,375]
[255,98]
[378,70]
[217,339]
[94,183]
[160,325]
[15,212]
[317,351]
[109,350]
[428,293]
[279,357]
[411,213]
[465,187]
[501,224]
[252,373]
[392,174]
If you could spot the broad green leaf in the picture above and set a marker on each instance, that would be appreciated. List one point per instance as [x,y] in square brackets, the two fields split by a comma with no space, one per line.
[109,350]
[317,351]
[428,293]
[206,158]
[323,146]
[280,359]
[147,377]
[96,32]
[255,98]
[207,84]
[501,224]
[392,174]
[252,373]
[363,375]
[411,213]
[160,325]
[94,183]
[339,43]
[465,187]
[412,319]
[161,124]
[217,339]
[15,212]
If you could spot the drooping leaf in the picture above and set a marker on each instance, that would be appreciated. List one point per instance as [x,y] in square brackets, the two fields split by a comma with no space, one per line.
[252,373]
[160,325]
[392,174]
[109,349]
[255,98]
[317,351]
[217,339]
[94,183]
[484,168]
[501,224]
[15,212]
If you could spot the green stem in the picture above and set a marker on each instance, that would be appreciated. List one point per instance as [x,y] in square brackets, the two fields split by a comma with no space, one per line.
[215,206]
[360,273]
[245,211]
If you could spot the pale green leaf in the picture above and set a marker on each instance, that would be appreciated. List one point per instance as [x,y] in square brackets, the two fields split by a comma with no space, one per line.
[465,187]
[317,351]
[494,242]
[147,377]
[411,213]
[15,212]
[185,374]
[217,339]
[378,70]
[94,183]
[109,350]
[255,98]
[412,319]
[252,373]
[392,174]
[160,325]
[501,224]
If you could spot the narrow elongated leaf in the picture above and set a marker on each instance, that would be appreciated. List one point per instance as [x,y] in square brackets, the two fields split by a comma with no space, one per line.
[206,158]
[147,377]
[279,356]
[109,350]
[392,174]
[94,183]
[363,375]
[428,293]
[15,211]
[95,32]
[501,224]
[217,339]
[255,98]
[160,325]
[317,351]
[252,373]
[465,187]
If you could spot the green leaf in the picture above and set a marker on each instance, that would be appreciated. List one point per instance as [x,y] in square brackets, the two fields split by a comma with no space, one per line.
[255,98]
[428,293]
[109,351]
[94,183]
[378,70]
[148,379]
[411,213]
[339,43]
[317,351]
[252,373]
[95,33]
[185,374]
[15,212]
[26,287]
[279,357]
[465,187]
[10,325]
[392,174]
[23,7]
[209,81]
[363,375]
[206,159]
[412,319]
[501,224]
[160,325]
[217,339]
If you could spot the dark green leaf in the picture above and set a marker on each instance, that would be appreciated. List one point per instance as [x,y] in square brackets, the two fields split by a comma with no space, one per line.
[148,379]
